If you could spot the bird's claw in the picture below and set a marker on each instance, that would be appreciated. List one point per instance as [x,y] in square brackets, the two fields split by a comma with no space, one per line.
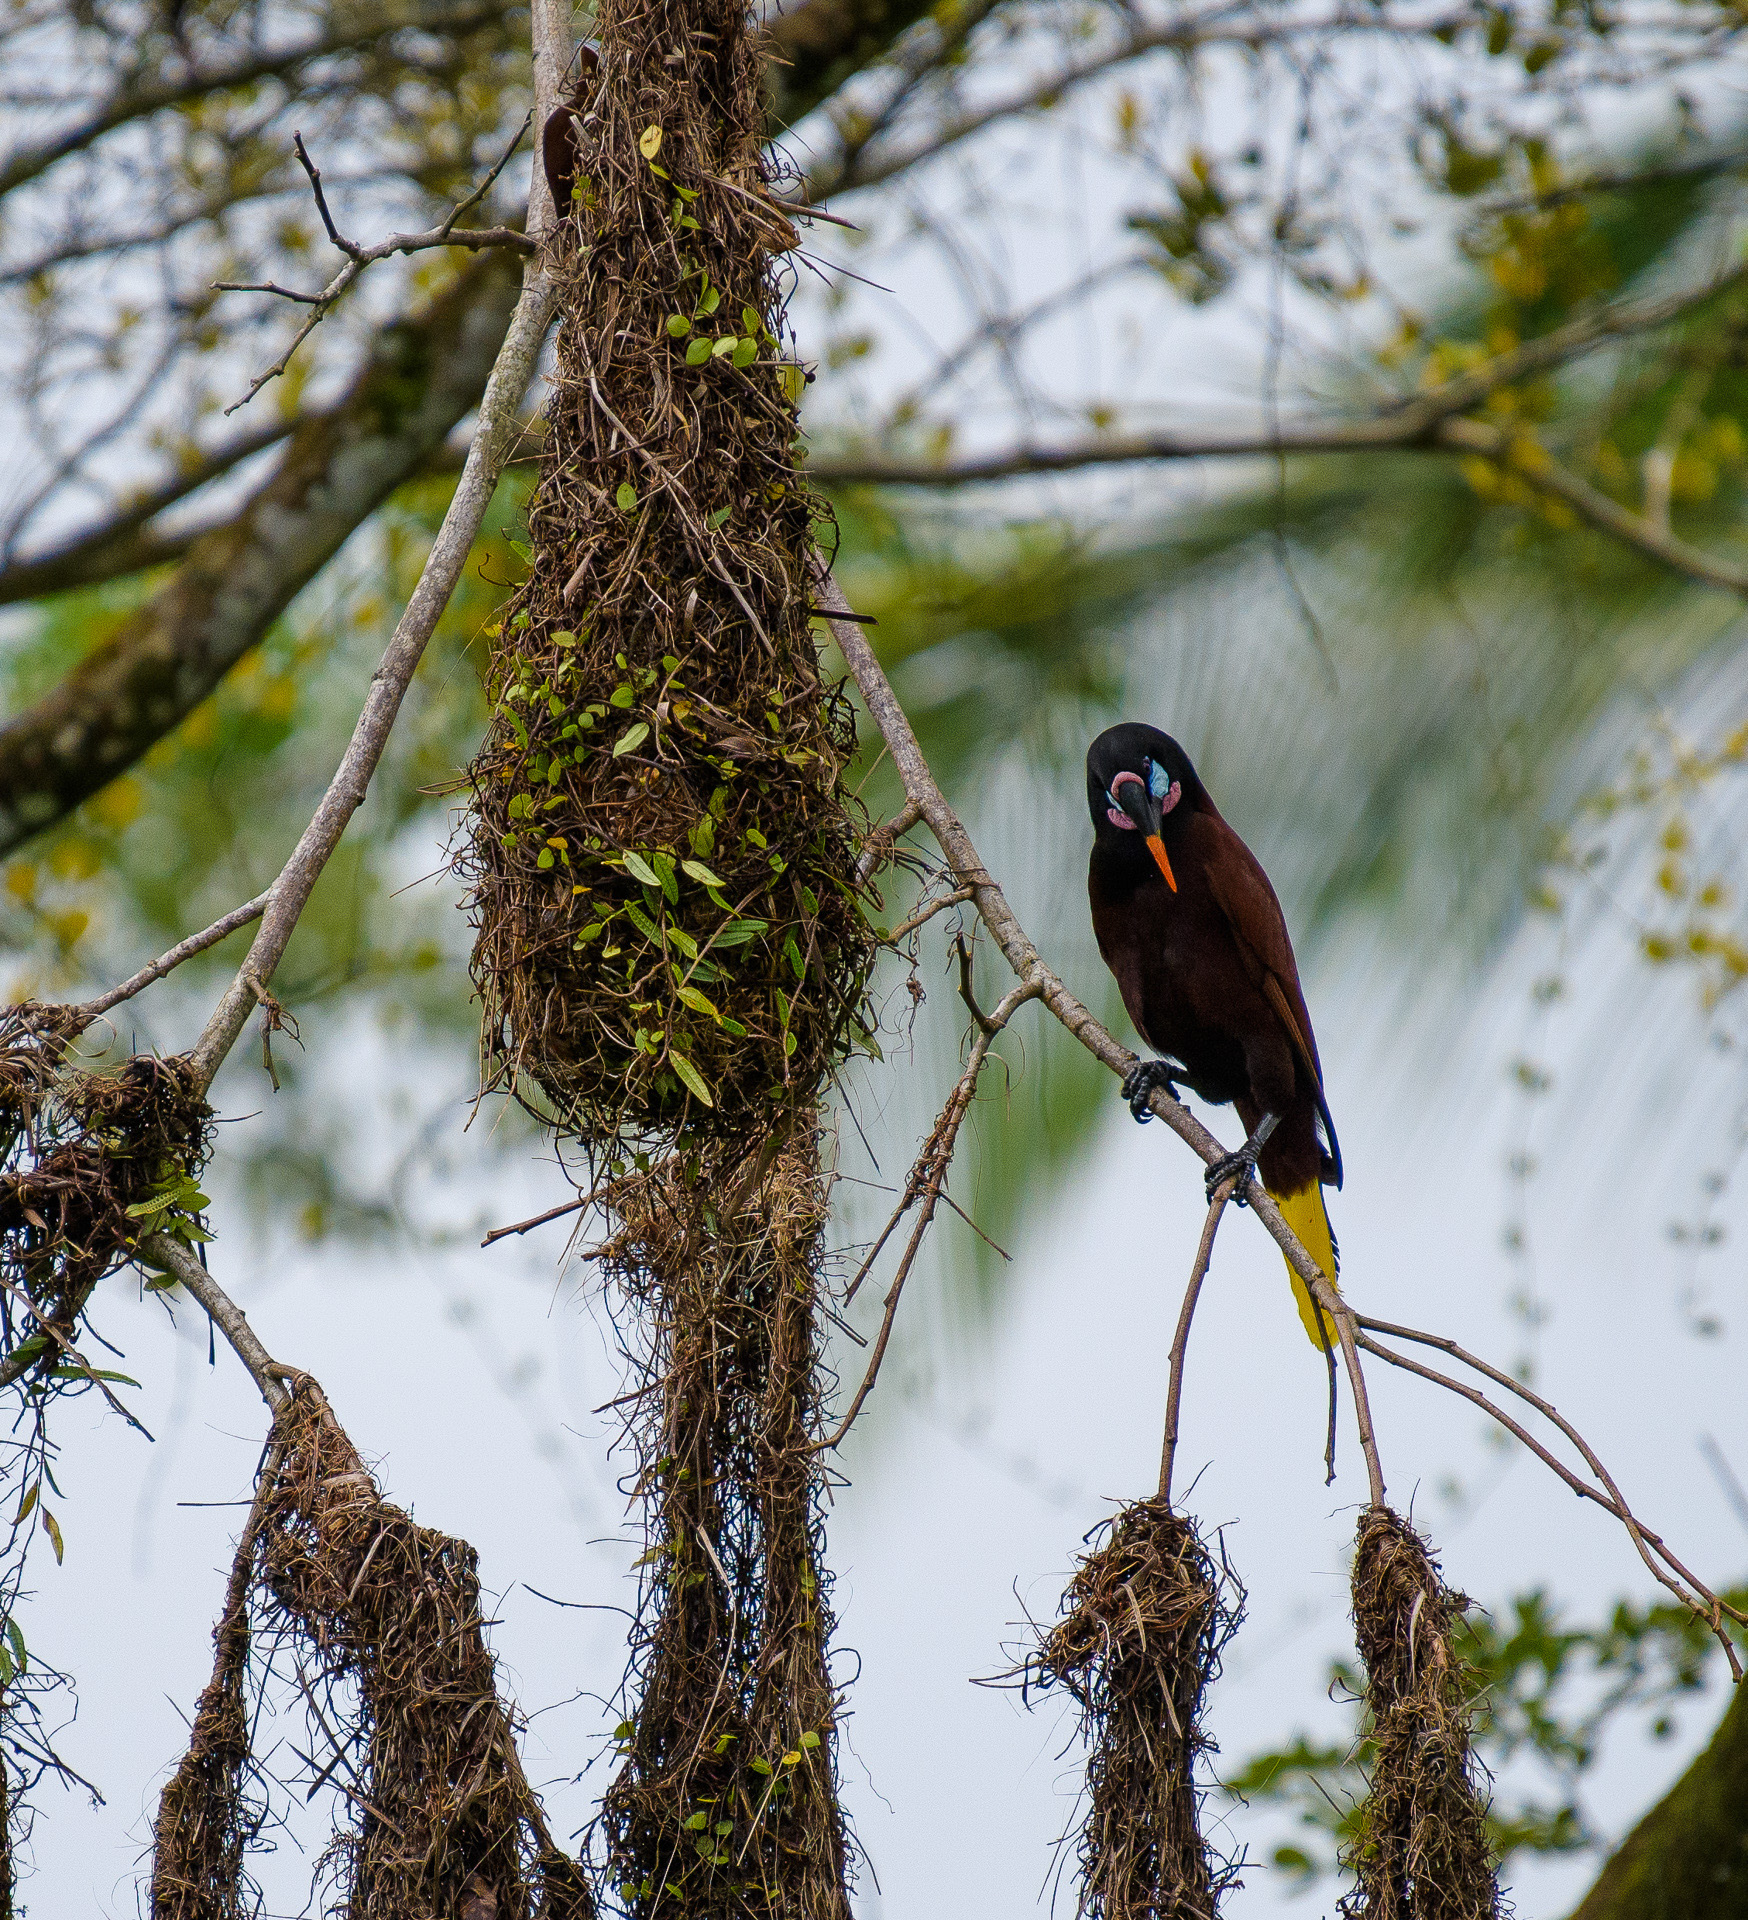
[1243,1164]
[1140,1082]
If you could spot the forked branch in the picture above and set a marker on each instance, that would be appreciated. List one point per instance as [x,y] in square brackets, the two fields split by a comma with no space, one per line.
[1353,1330]
[926,1184]
[445,234]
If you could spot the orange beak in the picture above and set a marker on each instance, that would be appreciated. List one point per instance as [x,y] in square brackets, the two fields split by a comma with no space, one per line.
[1156,847]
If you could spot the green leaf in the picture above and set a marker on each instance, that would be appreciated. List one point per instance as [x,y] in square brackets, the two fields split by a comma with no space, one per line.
[692,1077]
[810,1741]
[725,345]
[144,1209]
[546,858]
[642,922]
[698,1002]
[52,1528]
[710,299]
[745,352]
[738,932]
[678,325]
[684,941]
[27,1503]
[631,739]
[698,352]
[750,321]
[640,869]
[716,519]
[664,866]
[15,1634]
[697,1822]
[626,496]
[699,871]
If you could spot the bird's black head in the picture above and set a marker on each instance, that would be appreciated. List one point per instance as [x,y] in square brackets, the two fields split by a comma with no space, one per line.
[1139,781]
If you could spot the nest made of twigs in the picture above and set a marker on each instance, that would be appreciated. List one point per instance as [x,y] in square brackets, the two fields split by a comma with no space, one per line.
[381,1621]
[662,856]
[207,1816]
[1144,1620]
[92,1161]
[1421,1852]
[726,1801]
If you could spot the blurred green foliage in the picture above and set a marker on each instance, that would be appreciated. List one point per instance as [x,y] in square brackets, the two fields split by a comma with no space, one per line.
[1546,1695]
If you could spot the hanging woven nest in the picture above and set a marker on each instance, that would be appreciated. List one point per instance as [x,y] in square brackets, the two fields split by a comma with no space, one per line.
[1421,1852]
[1143,1624]
[662,860]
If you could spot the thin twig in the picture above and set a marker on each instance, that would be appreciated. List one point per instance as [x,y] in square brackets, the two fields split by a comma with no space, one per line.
[1701,1600]
[927,1178]
[444,234]
[174,1258]
[992,907]
[924,915]
[1181,1339]
[882,839]
[167,963]
[73,1355]
[538,1220]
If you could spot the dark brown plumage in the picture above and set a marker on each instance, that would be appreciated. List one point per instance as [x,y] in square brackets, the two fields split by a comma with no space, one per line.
[1187,922]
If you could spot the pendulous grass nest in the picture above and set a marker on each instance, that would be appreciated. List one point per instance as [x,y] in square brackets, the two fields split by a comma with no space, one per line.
[725,1803]
[1144,1621]
[1421,1852]
[669,930]
[381,1621]
[91,1162]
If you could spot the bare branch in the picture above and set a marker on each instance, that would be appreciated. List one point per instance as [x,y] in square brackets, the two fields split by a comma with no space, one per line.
[172,1257]
[926,1183]
[119,545]
[992,907]
[1663,1566]
[150,86]
[422,377]
[444,234]
[492,441]
[167,963]
[1181,1339]
[1212,28]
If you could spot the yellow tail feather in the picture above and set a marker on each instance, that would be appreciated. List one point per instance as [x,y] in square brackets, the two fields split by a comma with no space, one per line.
[1305,1213]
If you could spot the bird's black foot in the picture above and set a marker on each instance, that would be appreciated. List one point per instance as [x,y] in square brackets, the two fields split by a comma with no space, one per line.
[1143,1077]
[1243,1164]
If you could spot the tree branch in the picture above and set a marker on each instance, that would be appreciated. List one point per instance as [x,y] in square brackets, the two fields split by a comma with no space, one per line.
[1181,1339]
[992,907]
[927,1183]
[119,545]
[1398,432]
[172,1257]
[851,171]
[492,440]
[444,234]
[167,963]
[153,85]
[422,378]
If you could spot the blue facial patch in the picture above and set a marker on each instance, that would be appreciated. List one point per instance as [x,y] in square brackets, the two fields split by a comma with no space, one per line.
[1158,780]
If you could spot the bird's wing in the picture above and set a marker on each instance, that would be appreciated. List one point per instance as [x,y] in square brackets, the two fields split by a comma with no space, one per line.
[1242,892]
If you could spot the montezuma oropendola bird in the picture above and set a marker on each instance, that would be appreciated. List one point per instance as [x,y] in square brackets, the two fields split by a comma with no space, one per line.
[1187,922]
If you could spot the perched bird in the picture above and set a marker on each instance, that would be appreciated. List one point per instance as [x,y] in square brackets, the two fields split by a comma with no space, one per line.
[1187,922]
